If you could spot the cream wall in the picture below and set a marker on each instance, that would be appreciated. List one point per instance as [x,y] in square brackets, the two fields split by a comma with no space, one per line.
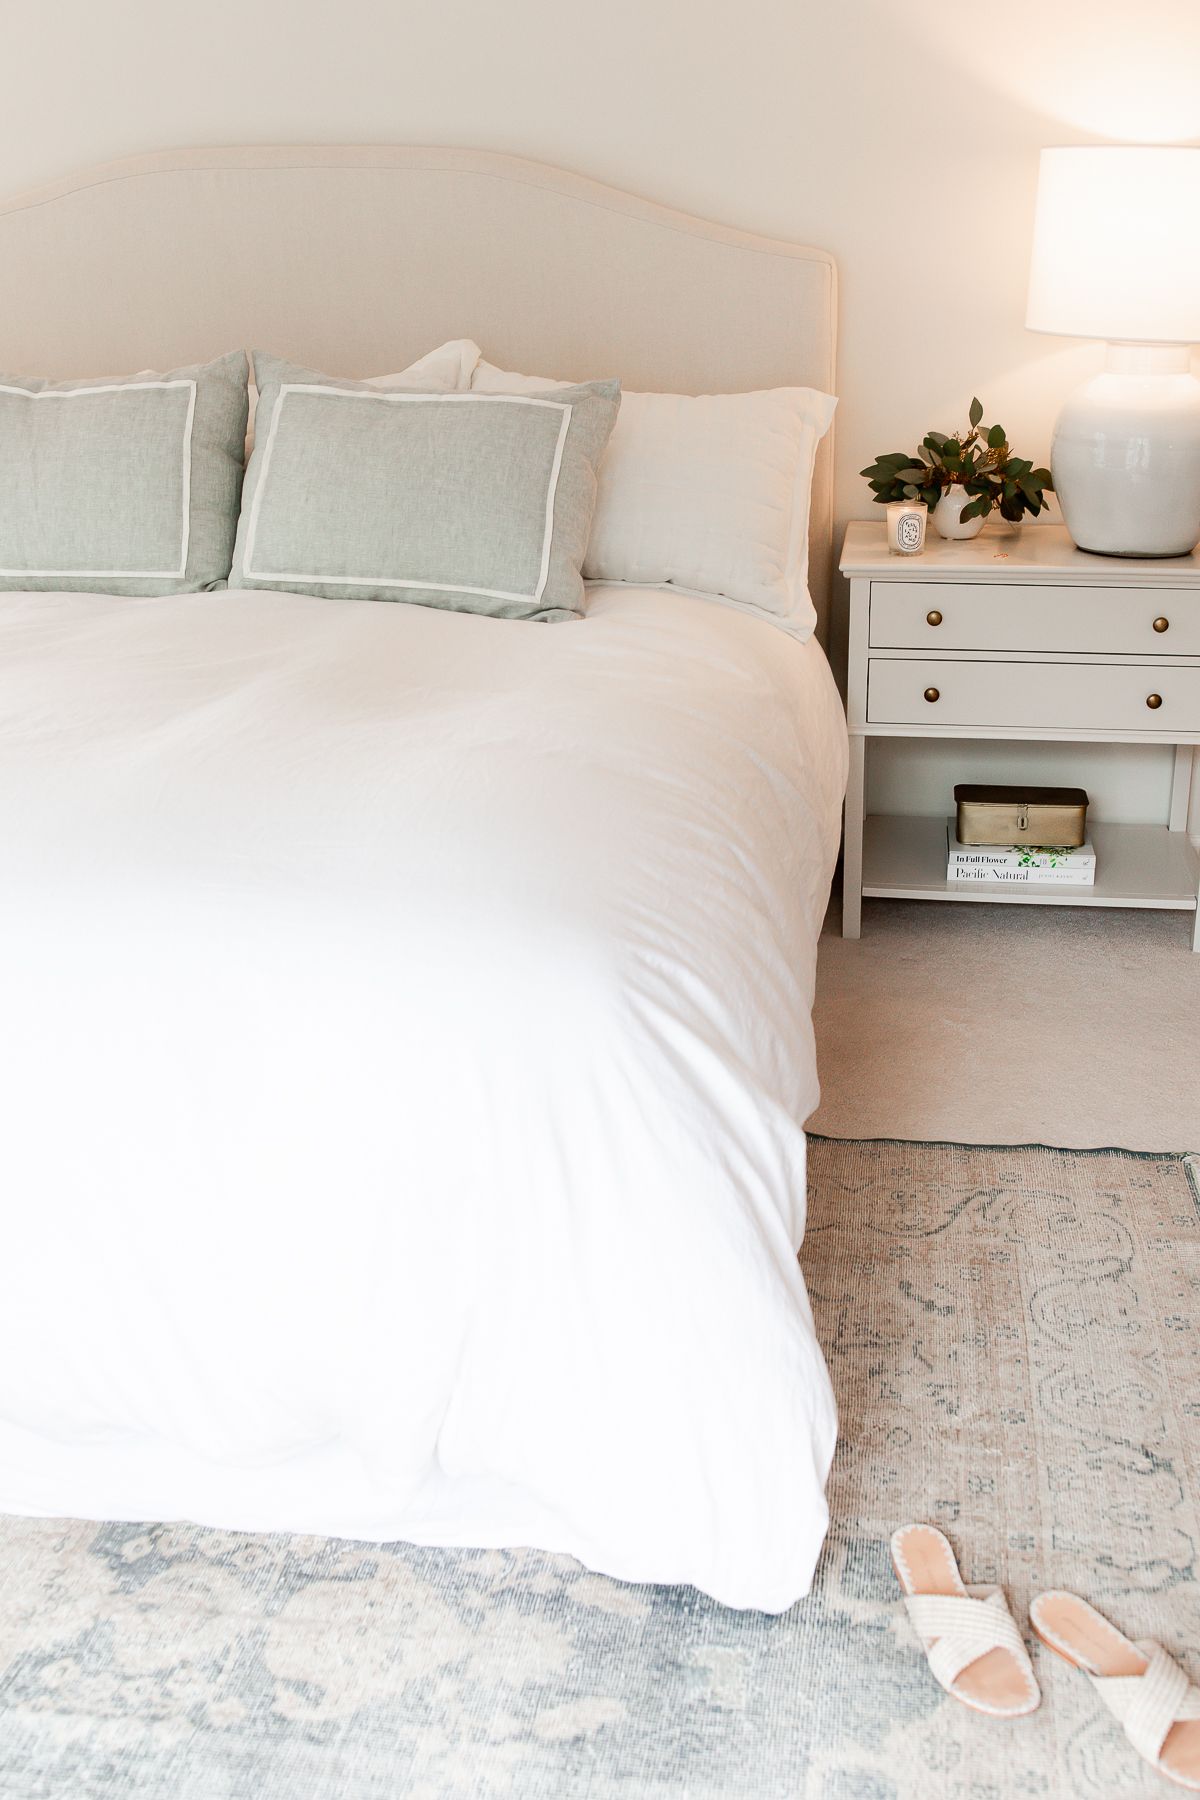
[903,139]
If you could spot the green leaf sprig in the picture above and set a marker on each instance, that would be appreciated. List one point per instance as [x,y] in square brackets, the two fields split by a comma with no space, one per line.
[980,460]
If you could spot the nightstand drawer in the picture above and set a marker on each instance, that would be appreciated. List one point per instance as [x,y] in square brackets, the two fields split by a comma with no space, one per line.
[1093,621]
[1026,696]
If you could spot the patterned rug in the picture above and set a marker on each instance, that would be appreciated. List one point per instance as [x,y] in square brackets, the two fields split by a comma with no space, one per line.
[1015,1340]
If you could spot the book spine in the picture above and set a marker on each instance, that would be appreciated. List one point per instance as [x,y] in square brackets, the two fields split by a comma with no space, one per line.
[959,861]
[994,876]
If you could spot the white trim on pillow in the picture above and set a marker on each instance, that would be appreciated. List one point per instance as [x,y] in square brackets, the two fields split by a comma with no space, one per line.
[126,387]
[329,391]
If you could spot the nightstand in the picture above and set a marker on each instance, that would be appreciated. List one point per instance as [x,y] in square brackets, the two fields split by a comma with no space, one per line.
[1022,637]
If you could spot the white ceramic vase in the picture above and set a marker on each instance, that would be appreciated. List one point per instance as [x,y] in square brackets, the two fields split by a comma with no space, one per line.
[1126,456]
[946,515]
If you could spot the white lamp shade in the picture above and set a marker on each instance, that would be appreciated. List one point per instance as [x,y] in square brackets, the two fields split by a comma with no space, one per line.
[1116,245]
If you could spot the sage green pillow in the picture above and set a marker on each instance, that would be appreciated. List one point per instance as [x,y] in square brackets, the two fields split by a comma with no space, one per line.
[479,503]
[127,486]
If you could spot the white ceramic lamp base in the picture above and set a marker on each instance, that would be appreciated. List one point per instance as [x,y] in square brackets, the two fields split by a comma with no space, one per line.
[1126,455]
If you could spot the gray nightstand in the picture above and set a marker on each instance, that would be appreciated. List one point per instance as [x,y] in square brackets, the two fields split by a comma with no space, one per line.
[1020,637]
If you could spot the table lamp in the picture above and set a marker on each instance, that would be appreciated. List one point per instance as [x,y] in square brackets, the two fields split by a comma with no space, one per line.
[1116,255]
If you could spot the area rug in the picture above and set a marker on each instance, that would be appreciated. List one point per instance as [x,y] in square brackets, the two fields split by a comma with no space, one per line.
[1014,1336]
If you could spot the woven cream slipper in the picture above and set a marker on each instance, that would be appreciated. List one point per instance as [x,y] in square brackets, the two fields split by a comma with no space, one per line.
[1139,1683]
[967,1633]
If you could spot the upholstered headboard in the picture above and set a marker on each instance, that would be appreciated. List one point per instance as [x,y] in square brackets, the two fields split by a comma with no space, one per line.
[356,260]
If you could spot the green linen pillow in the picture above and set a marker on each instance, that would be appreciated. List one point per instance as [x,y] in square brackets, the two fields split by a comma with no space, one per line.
[478,503]
[123,486]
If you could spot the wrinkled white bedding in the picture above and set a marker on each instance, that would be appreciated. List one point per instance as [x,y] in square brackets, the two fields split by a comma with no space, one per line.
[405,1045]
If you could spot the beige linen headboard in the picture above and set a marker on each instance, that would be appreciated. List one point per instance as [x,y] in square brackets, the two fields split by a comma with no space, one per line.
[356,260]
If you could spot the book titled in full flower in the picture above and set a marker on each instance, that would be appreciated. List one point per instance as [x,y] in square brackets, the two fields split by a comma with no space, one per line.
[1007,864]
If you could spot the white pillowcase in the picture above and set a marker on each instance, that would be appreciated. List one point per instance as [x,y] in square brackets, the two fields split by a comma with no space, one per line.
[708,494]
[448,369]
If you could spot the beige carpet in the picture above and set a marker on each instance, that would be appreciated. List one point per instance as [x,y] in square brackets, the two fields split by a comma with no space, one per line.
[1013,1338]
[1010,1025]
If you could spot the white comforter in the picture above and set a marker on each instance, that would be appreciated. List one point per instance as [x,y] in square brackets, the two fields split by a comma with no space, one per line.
[406,1041]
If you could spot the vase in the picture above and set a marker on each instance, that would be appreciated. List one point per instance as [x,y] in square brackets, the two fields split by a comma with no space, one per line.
[945,515]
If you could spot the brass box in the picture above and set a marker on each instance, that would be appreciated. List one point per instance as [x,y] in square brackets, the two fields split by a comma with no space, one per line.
[1021,815]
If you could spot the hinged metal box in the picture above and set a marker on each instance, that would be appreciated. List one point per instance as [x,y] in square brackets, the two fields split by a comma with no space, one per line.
[1021,815]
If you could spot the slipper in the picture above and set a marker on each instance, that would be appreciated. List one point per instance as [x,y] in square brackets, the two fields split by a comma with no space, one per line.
[1144,1687]
[967,1633]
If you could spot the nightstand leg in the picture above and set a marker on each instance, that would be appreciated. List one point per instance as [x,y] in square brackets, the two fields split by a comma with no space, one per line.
[1181,788]
[853,845]
[1181,796]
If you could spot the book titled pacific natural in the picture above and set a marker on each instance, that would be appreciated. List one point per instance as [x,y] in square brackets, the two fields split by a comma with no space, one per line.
[1035,865]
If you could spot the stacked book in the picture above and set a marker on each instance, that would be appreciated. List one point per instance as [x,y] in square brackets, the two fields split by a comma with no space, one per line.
[1011,864]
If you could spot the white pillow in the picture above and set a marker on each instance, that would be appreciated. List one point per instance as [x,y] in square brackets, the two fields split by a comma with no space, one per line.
[448,369]
[708,494]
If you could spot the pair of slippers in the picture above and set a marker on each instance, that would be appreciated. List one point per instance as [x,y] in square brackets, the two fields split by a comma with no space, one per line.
[978,1655]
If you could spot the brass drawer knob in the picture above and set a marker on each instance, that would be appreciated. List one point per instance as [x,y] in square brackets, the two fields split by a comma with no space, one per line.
[932,694]
[935,618]
[1154,701]
[1162,624]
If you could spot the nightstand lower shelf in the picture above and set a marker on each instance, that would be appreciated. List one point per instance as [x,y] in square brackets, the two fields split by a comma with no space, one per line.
[1136,865]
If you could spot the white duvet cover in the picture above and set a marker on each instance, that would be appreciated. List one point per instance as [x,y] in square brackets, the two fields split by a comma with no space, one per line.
[405,1046]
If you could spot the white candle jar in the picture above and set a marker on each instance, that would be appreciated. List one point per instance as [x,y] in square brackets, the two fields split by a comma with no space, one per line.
[906,527]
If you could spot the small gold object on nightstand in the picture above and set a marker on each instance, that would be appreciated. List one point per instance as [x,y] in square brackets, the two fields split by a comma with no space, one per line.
[1162,624]
[932,694]
[1021,815]
[935,618]
[1154,701]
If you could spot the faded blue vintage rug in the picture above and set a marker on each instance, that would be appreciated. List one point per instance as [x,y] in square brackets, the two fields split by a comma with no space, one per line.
[1015,1340]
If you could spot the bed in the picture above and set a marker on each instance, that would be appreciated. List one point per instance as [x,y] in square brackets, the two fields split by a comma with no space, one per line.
[407,1032]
